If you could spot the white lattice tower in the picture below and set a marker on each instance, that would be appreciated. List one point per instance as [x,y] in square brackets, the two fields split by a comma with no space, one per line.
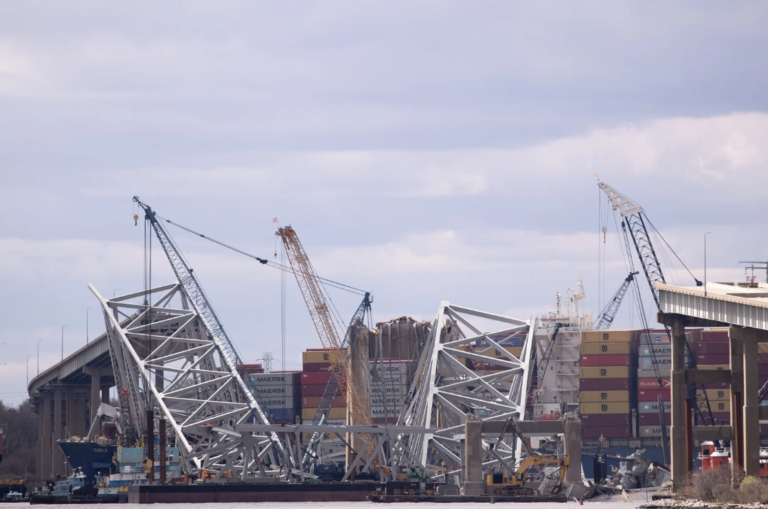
[167,358]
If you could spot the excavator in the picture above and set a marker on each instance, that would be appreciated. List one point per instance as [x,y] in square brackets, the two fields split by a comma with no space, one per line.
[514,486]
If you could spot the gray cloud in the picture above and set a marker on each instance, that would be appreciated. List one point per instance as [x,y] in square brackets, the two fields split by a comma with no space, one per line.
[422,150]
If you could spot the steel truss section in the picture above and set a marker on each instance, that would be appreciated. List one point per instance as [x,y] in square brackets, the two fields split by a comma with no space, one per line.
[465,370]
[379,461]
[165,359]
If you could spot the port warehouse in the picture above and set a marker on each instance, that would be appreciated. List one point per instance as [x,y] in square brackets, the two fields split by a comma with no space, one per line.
[617,385]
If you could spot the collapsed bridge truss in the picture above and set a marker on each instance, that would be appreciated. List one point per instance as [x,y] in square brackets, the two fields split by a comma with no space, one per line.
[166,359]
[467,369]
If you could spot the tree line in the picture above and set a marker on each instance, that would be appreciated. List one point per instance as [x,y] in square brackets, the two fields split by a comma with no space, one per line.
[19,427]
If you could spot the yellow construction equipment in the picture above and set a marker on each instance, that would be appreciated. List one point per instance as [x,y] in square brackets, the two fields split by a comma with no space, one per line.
[309,284]
[500,484]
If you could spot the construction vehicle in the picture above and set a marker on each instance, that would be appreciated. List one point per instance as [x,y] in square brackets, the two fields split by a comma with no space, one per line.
[515,485]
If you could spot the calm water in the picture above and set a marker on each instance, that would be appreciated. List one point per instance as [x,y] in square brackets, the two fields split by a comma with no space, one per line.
[606,504]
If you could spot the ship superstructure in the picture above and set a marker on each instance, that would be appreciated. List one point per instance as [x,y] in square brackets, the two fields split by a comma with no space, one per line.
[557,339]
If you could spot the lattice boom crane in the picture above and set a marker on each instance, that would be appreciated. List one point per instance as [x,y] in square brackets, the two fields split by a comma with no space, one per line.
[320,313]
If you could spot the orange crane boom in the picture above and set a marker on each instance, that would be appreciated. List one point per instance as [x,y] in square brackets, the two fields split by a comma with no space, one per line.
[309,285]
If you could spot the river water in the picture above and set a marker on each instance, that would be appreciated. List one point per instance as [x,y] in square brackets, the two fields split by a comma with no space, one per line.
[601,503]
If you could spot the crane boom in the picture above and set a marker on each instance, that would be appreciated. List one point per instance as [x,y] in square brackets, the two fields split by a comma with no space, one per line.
[197,299]
[309,284]
[632,215]
[632,219]
[610,311]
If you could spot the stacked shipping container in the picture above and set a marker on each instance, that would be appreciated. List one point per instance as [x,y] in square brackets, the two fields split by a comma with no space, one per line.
[280,393]
[654,363]
[388,388]
[607,382]
[712,350]
[314,378]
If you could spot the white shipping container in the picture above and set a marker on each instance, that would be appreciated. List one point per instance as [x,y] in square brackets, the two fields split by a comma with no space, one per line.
[652,407]
[394,368]
[388,390]
[652,431]
[650,362]
[279,403]
[386,401]
[378,412]
[655,350]
[273,378]
[391,380]
[274,391]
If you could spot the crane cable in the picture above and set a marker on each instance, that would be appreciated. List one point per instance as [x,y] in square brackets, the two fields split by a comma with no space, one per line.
[263,261]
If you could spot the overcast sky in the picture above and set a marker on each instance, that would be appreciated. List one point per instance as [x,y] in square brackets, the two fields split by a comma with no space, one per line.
[421,150]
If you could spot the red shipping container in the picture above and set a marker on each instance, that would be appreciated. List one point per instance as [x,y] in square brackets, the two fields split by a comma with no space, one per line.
[653,394]
[312,390]
[713,359]
[653,383]
[710,336]
[316,367]
[713,348]
[315,378]
[604,384]
[720,417]
[653,419]
[608,432]
[597,420]
[595,361]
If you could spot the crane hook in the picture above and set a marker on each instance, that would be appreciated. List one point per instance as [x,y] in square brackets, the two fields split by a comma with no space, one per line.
[136,219]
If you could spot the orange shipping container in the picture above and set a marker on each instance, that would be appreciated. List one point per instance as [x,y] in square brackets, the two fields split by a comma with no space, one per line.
[319,356]
[607,348]
[605,408]
[314,402]
[608,372]
[616,336]
[307,414]
[603,396]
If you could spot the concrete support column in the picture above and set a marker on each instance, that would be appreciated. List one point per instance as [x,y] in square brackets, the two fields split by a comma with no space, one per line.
[44,426]
[473,457]
[79,427]
[105,394]
[69,429]
[679,395]
[572,436]
[735,336]
[95,374]
[751,452]
[58,417]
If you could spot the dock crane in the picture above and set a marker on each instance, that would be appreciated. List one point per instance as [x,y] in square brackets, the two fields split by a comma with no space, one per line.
[609,313]
[633,221]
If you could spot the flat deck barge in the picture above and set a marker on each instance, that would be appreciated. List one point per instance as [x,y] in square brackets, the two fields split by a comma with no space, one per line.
[267,492]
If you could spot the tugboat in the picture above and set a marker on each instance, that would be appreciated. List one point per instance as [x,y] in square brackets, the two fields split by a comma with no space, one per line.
[72,490]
